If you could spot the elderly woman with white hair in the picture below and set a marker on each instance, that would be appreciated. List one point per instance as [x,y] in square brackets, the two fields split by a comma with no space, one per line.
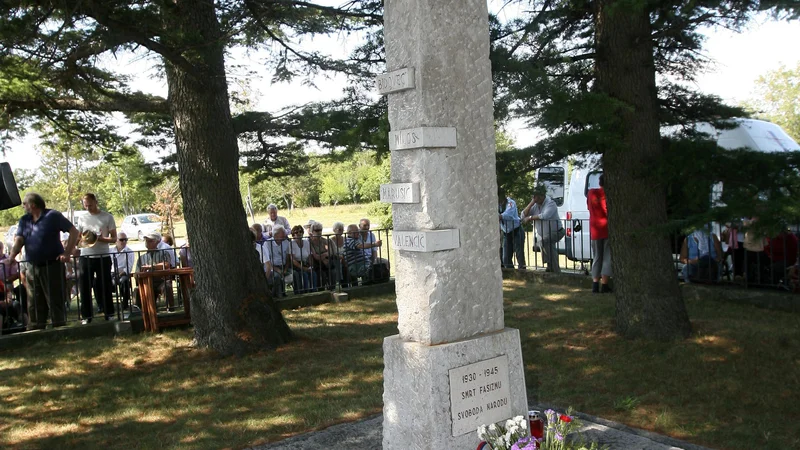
[336,251]
[274,219]
[280,253]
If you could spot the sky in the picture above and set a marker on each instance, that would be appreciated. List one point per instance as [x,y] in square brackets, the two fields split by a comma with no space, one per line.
[738,60]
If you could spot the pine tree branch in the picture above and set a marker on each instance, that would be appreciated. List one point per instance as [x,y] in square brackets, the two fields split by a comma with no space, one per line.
[104,18]
[330,10]
[118,104]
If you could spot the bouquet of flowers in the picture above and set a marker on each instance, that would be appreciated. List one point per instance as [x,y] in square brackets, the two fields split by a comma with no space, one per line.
[503,437]
[558,427]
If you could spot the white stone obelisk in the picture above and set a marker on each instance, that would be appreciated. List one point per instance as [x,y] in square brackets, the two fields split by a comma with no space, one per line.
[453,366]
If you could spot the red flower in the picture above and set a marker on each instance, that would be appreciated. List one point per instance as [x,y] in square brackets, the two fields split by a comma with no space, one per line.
[565,418]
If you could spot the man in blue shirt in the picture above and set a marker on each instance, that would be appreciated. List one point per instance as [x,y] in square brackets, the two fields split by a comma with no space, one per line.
[513,233]
[40,232]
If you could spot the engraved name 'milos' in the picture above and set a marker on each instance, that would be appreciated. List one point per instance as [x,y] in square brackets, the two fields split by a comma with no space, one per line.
[407,138]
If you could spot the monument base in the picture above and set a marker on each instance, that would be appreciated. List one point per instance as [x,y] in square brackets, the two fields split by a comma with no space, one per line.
[435,397]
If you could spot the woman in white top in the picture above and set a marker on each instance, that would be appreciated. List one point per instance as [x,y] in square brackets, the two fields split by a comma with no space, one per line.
[336,251]
[303,273]
[280,254]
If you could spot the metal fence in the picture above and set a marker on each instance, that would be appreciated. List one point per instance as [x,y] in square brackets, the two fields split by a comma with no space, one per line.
[716,254]
[302,264]
[96,287]
[102,287]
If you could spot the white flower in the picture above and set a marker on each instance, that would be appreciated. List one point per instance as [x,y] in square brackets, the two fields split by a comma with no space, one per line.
[492,427]
[482,432]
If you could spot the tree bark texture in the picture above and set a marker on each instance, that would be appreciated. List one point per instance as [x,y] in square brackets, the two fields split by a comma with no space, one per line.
[232,309]
[648,299]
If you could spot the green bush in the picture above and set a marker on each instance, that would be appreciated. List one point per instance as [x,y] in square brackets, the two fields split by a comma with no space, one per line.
[382,212]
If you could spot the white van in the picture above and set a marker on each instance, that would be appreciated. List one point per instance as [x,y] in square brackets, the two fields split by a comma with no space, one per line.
[582,175]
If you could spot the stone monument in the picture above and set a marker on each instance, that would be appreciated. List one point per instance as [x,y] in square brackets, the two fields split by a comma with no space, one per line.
[453,366]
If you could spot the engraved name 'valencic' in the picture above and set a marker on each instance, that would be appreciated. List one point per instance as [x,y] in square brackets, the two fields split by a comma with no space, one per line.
[409,241]
[426,240]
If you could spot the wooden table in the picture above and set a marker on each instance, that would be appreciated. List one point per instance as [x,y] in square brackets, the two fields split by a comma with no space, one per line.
[144,281]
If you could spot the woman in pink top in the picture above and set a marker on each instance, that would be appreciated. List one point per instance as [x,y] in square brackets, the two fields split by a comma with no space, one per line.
[598,232]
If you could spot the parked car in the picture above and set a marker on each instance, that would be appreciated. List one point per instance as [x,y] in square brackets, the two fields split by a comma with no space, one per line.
[10,236]
[138,225]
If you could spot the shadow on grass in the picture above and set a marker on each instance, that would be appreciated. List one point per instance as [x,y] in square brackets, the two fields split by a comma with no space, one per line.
[714,388]
[156,391]
[733,384]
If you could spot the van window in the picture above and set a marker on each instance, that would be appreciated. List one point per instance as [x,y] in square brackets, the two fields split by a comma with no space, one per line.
[592,182]
[553,179]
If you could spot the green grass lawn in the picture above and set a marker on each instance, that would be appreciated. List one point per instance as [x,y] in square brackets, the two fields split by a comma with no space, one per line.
[733,385]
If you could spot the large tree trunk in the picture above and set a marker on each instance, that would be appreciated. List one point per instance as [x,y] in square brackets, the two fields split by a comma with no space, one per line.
[232,310]
[648,298]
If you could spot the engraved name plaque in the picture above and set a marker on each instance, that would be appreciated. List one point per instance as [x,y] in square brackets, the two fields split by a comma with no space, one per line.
[398,80]
[400,193]
[422,137]
[426,241]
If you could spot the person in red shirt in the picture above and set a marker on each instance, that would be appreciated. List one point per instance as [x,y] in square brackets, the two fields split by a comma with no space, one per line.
[598,233]
[782,253]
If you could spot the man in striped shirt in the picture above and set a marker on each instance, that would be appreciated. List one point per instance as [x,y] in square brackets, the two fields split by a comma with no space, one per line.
[357,261]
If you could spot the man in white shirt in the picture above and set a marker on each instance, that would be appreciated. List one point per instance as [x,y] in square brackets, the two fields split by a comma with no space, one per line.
[154,259]
[368,237]
[380,266]
[544,212]
[95,261]
[275,219]
[123,266]
[279,250]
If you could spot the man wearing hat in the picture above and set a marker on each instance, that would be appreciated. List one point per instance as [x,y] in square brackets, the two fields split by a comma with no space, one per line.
[543,211]
[154,259]
[95,262]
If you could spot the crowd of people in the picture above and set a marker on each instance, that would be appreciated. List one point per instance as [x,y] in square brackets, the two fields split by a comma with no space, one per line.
[542,211]
[739,249]
[62,259]
[53,260]
[309,261]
